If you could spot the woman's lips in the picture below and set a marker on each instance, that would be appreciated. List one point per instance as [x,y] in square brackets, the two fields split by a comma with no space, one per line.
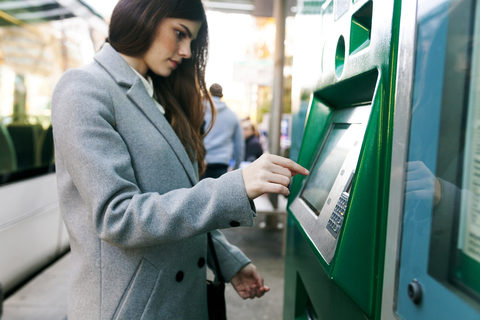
[174,63]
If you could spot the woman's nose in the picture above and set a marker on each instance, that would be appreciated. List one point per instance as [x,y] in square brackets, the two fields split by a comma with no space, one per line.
[185,51]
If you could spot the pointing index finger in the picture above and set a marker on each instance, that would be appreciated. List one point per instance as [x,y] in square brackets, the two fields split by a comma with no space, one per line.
[290,165]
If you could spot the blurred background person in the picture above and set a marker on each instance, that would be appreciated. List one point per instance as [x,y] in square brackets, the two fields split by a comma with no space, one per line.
[225,141]
[253,148]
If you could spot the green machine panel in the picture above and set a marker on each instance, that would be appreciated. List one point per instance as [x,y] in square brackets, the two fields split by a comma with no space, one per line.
[337,216]
[321,205]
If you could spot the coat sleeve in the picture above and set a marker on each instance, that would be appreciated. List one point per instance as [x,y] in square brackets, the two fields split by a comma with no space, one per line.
[93,157]
[230,258]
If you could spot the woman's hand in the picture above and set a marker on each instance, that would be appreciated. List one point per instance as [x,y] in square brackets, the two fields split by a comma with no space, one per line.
[249,283]
[270,174]
[422,183]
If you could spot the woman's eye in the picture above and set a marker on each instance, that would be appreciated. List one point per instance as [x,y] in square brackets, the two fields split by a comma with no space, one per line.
[180,34]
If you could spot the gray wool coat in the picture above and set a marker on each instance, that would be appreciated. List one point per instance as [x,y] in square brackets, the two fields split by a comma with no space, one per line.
[130,197]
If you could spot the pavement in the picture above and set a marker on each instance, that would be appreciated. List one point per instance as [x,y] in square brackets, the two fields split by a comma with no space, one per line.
[264,247]
[45,297]
[42,298]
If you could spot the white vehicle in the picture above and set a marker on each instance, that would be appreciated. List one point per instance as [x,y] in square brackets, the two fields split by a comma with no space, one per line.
[39,40]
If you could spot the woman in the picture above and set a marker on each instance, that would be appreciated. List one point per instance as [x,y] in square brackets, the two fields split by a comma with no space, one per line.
[128,164]
[253,147]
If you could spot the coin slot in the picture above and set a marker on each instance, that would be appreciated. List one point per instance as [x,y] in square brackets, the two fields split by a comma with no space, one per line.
[340,57]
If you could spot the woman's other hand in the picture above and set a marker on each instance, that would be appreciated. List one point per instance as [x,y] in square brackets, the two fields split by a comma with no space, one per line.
[249,283]
[422,183]
[270,174]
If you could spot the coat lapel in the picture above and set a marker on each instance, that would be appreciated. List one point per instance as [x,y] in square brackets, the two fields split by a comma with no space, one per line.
[121,72]
[139,96]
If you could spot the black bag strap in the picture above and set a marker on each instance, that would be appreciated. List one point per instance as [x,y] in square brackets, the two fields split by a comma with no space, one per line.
[214,256]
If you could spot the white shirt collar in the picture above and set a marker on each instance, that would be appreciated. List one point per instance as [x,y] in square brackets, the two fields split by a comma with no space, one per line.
[148,83]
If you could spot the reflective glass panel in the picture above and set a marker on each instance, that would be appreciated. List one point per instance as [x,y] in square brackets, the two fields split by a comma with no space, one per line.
[439,235]
[36,47]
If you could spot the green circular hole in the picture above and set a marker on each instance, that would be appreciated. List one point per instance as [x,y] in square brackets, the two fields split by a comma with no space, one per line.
[340,57]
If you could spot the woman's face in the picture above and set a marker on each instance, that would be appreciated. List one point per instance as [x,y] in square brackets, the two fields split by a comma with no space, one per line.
[171,45]
[247,129]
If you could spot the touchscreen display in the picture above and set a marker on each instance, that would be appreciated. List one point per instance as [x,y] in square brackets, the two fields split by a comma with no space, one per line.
[327,167]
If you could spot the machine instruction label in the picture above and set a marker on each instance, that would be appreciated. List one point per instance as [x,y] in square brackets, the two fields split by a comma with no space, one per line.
[471,196]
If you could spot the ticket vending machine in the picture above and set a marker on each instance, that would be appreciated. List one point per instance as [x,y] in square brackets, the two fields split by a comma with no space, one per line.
[387,224]
[432,261]
[337,216]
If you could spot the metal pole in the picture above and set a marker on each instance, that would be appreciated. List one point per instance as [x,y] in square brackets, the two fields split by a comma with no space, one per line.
[279,8]
[277,103]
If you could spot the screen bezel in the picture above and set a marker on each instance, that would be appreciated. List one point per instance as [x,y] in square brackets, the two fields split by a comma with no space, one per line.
[313,226]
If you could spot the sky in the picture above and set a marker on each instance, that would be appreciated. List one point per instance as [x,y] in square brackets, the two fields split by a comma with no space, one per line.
[103,7]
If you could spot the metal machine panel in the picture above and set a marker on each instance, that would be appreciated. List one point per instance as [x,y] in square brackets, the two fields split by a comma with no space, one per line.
[403,104]
[439,261]
[316,218]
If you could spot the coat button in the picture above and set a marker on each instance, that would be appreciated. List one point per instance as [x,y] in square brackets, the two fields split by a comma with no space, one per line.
[234,223]
[179,276]
[201,262]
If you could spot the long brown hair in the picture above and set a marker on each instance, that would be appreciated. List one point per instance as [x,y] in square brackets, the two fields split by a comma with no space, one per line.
[133,27]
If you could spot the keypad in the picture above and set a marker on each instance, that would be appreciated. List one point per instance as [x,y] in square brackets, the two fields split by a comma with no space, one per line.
[336,219]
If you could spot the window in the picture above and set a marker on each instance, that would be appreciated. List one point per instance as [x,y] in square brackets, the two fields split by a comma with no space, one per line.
[33,56]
